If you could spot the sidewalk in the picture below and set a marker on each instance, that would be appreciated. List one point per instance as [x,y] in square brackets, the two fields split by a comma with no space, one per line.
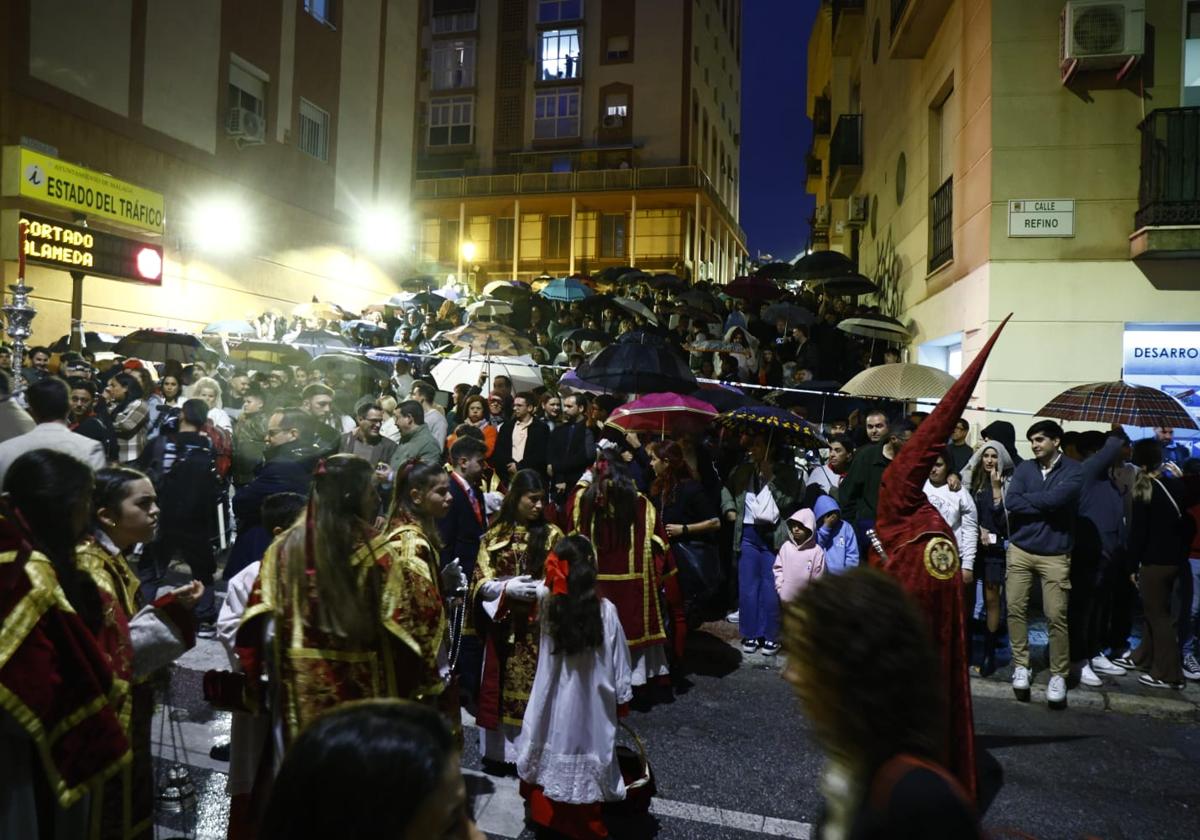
[1123,695]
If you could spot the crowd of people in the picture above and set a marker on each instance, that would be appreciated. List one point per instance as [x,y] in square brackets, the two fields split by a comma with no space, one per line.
[510,552]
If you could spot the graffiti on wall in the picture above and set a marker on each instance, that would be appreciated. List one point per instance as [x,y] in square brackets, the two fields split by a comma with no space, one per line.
[887,275]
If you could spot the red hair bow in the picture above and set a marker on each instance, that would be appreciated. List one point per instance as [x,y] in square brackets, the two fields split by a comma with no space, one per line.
[556,574]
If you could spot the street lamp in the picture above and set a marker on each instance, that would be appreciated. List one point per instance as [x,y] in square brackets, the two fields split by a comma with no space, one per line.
[468,251]
[219,226]
[381,232]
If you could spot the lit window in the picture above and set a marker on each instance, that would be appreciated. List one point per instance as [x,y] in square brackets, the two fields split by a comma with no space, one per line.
[452,121]
[314,130]
[556,113]
[552,11]
[453,64]
[322,10]
[616,105]
[618,47]
[560,54]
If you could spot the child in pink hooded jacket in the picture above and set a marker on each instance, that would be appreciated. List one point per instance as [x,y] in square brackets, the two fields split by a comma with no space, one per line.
[800,559]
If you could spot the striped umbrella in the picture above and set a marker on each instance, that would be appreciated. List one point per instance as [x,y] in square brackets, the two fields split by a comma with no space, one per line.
[656,413]
[900,381]
[1120,402]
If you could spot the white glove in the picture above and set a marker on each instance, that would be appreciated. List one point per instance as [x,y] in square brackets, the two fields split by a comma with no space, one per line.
[453,580]
[522,588]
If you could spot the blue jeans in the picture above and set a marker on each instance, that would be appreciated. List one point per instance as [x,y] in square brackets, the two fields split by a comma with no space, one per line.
[758,602]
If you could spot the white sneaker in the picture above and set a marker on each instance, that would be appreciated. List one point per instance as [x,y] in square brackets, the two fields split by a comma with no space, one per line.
[1191,668]
[1088,677]
[1056,692]
[1101,664]
[1020,682]
[732,618]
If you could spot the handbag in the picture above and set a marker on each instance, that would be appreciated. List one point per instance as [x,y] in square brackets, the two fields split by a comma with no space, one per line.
[640,787]
[699,565]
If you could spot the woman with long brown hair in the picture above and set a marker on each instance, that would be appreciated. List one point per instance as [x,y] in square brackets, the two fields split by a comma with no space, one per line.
[502,610]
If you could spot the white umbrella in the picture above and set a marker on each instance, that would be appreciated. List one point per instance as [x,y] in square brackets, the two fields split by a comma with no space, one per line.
[487,306]
[636,307]
[900,381]
[466,366]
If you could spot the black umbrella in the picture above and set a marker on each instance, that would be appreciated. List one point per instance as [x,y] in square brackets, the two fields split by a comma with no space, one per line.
[639,366]
[316,342]
[630,276]
[418,283]
[594,302]
[613,273]
[342,363]
[163,346]
[820,265]
[723,399]
[430,299]
[846,284]
[93,341]
[264,354]
[669,282]
[777,271]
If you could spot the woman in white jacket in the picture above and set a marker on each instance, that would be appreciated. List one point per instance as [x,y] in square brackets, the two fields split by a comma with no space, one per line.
[957,508]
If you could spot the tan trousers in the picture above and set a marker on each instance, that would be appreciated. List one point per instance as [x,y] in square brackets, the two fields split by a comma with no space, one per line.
[1055,573]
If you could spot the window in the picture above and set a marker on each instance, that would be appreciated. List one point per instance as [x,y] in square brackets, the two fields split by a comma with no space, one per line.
[453,64]
[504,239]
[618,48]
[560,55]
[247,89]
[558,237]
[616,105]
[552,11]
[448,249]
[322,10]
[453,16]
[612,235]
[556,114]
[314,130]
[452,121]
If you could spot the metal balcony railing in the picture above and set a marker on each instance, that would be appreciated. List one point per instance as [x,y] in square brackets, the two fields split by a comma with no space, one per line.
[941,225]
[846,147]
[1169,192]
[535,183]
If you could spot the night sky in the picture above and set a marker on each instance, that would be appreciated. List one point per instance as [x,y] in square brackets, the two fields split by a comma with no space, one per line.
[776,131]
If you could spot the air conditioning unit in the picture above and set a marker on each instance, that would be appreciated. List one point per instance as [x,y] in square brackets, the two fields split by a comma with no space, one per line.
[821,217]
[613,121]
[858,207]
[1101,33]
[247,126]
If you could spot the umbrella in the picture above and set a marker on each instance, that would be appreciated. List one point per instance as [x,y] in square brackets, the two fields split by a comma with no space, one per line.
[587,335]
[753,288]
[613,273]
[637,308]
[639,367]
[657,412]
[697,298]
[508,290]
[316,342]
[230,328]
[318,311]
[266,353]
[466,366]
[163,346]
[777,271]
[668,282]
[766,419]
[788,312]
[876,326]
[418,283]
[631,276]
[430,299]
[341,363]
[571,383]
[93,341]
[900,381]
[401,300]
[820,265]
[565,289]
[693,313]
[490,339]
[1120,402]
[595,302]
[645,337]
[846,284]
[723,397]
[489,308]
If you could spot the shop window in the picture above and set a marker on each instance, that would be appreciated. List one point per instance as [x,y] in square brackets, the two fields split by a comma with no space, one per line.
[314,130]
[452,121]
[556,114]
[559,56]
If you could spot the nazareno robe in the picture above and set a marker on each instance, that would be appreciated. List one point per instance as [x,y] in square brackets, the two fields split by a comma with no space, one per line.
[923,555]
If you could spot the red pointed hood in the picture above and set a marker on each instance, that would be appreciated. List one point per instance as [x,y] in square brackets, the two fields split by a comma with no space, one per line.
[903,511]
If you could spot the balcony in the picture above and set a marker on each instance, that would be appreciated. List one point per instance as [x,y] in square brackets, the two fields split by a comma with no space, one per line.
[941,226]
[812,166]
[445,185]
[1168,216]
[848,25]
[845,155]
[822,116]
[915,23]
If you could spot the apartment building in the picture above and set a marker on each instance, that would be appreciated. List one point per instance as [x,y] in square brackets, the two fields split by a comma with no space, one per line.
[1039,157]
[273,139]
[563,136]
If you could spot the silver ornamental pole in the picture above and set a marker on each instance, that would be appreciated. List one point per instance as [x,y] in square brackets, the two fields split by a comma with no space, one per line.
[19,313]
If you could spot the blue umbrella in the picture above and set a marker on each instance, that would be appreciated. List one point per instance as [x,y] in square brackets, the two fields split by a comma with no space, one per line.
[566,289]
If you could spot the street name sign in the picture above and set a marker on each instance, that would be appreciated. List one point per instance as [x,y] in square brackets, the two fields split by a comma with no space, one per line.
[1041,217]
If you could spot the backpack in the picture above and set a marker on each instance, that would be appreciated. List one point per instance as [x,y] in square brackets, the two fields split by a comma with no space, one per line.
[222,444]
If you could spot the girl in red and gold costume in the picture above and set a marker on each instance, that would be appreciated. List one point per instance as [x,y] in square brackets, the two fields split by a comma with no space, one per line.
[635,568]
[138,640]
[503,602]
[60,732]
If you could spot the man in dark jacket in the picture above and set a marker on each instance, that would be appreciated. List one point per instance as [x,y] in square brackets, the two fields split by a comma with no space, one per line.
[858,493]
[572,446]
[523,441]
[462,528]
[1042,502]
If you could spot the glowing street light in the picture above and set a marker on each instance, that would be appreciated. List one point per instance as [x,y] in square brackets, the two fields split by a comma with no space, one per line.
[468,251]
[381,232]
[219,226]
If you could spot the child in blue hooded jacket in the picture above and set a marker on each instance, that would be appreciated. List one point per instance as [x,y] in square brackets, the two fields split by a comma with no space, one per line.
[835,535]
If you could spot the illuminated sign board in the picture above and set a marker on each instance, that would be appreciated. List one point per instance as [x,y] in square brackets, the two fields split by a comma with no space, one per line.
[39,177]
[89,251]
